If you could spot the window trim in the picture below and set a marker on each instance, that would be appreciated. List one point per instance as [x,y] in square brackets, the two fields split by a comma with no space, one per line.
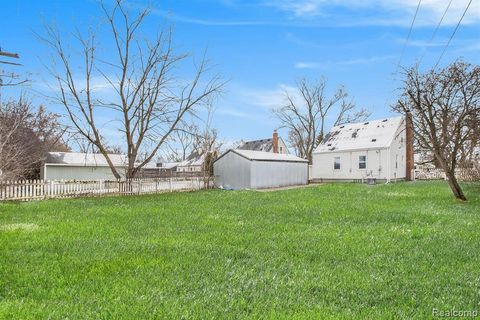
[335,163]
[364,162]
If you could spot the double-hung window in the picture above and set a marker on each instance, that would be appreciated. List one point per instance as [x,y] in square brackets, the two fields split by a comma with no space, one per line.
[362,162]
[336,163]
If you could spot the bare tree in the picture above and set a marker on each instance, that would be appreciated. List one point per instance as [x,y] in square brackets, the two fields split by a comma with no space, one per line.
[305,115]
[25,136]
[208,145]
[444,105]
[149,100]
[182,142]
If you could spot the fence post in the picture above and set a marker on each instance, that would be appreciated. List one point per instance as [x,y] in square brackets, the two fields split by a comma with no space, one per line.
[170,184]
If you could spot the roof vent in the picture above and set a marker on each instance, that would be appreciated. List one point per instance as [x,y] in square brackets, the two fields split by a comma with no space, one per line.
[341,127]
[366,123]
[329,144]
[385,120]
[374,140]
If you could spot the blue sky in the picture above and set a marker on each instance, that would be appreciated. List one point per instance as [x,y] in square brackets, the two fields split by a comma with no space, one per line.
[263,46]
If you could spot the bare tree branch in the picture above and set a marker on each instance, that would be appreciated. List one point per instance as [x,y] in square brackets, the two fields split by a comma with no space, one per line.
[305,117]
[149,100]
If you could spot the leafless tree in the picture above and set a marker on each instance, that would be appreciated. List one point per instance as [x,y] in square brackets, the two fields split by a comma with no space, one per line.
[444,105]
[25,136]
[182,142]
[305,114]
[150,100]
[10,79]
[208,145]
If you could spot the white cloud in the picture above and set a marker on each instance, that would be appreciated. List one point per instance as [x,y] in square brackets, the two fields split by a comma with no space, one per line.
[267,98]
[307,65]
[350,62]
[230,111]
[378,12]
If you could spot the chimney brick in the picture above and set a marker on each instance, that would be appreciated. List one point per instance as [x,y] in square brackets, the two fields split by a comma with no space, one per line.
[275,141]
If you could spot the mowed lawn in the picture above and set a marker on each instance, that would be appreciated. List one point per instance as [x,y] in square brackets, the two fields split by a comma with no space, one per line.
[328,251]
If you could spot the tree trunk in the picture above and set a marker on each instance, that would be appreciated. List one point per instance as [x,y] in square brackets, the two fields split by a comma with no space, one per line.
[455,186]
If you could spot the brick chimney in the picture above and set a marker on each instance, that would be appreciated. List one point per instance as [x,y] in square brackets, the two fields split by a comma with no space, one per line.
[410,162]
[275,141]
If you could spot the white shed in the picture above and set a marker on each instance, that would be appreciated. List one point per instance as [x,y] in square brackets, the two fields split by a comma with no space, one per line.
[373,149]
[246,169]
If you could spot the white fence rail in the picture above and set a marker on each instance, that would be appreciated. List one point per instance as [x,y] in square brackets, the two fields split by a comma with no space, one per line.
[25,190]
[439,174]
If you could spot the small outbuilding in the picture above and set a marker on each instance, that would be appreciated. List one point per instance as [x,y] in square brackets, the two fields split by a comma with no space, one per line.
[246,169]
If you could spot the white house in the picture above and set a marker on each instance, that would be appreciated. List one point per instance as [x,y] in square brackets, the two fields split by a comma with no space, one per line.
[373,149]
[246,169]
[81,166]
[194,163]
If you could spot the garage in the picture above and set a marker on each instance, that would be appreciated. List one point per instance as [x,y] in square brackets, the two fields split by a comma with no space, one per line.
[246,169]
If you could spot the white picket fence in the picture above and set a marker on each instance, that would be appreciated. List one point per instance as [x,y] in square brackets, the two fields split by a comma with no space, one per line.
[429,174]
[439,174]
[25,190]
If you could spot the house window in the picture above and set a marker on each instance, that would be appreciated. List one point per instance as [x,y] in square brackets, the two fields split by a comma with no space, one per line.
[362,162]
[336,163]
[281,149]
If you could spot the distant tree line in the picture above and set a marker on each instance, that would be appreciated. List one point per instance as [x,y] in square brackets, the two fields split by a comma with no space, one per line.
[26,134]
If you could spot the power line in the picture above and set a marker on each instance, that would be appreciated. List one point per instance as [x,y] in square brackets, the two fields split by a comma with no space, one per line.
[9,55]
[408,36]
[453,34]
[436,29]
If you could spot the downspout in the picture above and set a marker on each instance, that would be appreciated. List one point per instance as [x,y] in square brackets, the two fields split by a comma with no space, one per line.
[389,164]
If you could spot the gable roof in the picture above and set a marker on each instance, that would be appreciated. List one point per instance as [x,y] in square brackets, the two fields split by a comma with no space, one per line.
[194,159]
[84,159]
[376,134]
[264,156]
[167,165]
[265,145]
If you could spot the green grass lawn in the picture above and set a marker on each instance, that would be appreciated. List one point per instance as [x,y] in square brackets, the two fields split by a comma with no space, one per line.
[330,251]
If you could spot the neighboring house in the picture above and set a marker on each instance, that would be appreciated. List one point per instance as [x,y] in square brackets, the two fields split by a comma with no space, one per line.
[246,169]
[424,161]
[89,166]
[373,149]
[167,167]
[81,166]
[194,163]
[274,144]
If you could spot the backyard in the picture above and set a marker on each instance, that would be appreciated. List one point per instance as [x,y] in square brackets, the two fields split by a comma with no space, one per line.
[333,250]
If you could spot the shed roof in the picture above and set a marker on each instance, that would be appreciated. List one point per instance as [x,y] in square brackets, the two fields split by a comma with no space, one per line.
[84,159]
[376,134]
[265,156]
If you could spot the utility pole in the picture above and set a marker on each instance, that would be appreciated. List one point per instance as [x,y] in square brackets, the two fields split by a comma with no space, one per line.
[12,77]
[9,55]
